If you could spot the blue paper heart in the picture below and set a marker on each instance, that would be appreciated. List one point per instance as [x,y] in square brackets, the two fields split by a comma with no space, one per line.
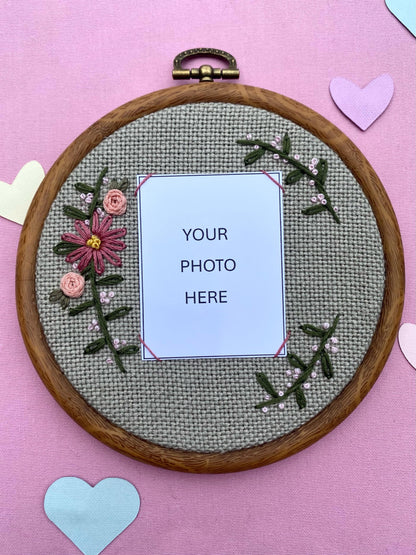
[91,517]
[405,11]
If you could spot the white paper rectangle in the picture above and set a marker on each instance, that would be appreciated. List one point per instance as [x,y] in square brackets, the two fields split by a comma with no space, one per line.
[211,265]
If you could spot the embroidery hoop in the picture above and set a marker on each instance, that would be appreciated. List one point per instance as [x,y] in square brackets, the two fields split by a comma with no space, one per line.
[366,374]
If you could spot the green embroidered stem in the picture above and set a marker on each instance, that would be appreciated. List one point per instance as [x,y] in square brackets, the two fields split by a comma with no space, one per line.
[96,195]
[102,320]
[307,369]
[319,179]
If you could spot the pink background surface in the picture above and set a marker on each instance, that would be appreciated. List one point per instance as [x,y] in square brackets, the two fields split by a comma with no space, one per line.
[64,64]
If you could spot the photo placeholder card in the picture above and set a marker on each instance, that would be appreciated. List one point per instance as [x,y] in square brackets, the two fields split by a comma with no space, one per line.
[211,265]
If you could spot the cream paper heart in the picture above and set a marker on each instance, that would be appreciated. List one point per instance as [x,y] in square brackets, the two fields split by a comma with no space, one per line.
[15,198]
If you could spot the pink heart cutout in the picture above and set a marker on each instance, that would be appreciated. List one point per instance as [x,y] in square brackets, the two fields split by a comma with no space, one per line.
[407,342]
[362,106]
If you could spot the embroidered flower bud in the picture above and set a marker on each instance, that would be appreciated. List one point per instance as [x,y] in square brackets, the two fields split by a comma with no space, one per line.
[306,385]
[323,201]
[321,196]
[115,202]
[256,147]
[82,196]
[289,384]
[314,348]
[109,360]
[72,285]
[273,143]
[315,172]
[265,409]
[281,393]
[334,350]
[288,372]
[325,325]
[281,406]
[314,161]
[314,199]
[267,397]
[313,375]
[334,340]
[249,136]
[276,156]
[311,182]
[296,157]
[278,138]
[327,346]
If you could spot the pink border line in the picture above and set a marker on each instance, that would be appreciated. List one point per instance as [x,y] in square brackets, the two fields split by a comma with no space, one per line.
[274,181]
[280,349]
[144,180]
[150,350]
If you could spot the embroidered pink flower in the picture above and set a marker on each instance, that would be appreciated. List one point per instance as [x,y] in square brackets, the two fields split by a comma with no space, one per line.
[115,202]
[72,285]
[97,244]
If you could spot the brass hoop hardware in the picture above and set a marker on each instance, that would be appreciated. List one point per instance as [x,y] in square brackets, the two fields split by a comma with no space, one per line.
[205,72]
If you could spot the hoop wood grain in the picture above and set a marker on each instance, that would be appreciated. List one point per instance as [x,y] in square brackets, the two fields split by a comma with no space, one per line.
[365,376]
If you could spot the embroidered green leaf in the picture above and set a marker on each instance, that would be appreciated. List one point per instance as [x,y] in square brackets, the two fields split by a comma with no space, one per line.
[118,313]
[295,361]
[128,350]
[254,156]
[322,167]
[84,188]
[326,364]
[65,247]
[95,346]
[114,279]
[263,381]
[121,185]
[313,330]
[320,354]
[286,144]
[299,171]
[300,398]
[64,302]
[294,176]
[55,296]
[80,308]
[315,209]
[75,213]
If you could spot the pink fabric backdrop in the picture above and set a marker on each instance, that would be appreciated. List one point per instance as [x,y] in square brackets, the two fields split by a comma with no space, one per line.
[64,64]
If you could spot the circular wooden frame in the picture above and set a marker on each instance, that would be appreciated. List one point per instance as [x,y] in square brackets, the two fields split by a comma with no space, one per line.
[243,459]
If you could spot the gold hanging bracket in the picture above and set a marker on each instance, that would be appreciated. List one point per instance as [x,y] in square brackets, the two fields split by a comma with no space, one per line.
[205,72]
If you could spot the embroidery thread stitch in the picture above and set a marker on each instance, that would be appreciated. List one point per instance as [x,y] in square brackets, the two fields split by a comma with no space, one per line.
[316,171]
[87,251]
[302,371]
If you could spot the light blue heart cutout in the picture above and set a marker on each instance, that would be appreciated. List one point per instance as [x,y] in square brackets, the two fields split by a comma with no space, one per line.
[91,517]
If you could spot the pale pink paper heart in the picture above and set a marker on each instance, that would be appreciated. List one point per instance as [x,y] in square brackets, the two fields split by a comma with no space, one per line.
[362,106]
[407,342]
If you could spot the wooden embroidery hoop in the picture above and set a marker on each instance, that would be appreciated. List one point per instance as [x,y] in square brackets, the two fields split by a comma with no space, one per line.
[119,439]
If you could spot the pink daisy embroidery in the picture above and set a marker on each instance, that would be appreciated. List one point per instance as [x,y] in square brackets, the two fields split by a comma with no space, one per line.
[97,243]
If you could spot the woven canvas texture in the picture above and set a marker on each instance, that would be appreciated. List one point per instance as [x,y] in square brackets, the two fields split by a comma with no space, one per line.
[207,405]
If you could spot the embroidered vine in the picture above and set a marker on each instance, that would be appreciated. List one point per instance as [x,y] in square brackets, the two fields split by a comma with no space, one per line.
[88,251]
[316,171]
[303,371]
